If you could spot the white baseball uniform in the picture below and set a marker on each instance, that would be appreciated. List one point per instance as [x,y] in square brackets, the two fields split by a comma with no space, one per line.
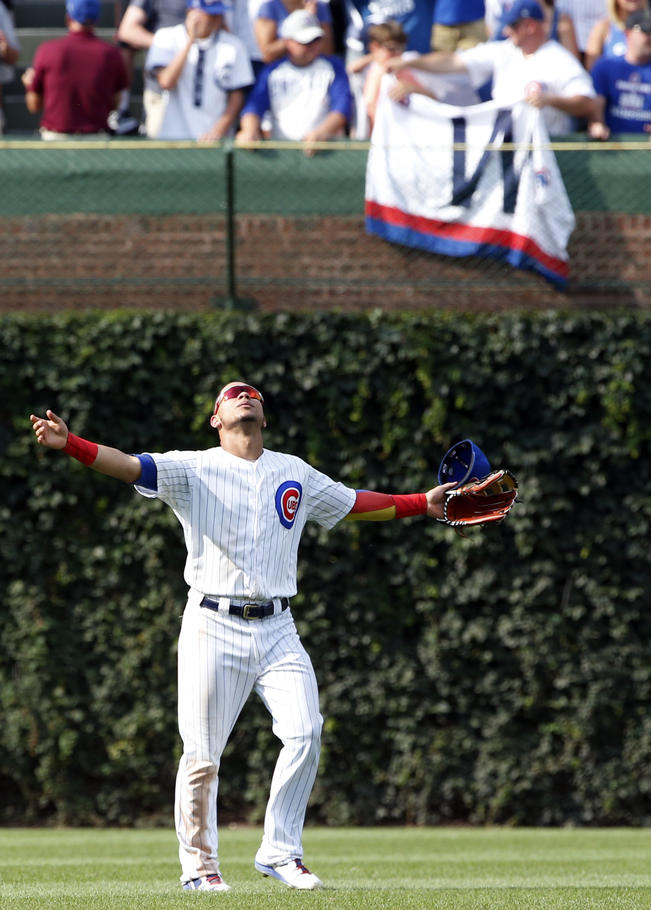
[214,67]
[552,66]
[242,522]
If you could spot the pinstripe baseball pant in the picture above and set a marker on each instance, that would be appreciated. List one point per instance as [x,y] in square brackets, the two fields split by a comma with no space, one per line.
[222,658]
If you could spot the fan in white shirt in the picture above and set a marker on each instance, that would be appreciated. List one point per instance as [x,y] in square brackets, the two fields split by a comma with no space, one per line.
[527,66]
[203,71]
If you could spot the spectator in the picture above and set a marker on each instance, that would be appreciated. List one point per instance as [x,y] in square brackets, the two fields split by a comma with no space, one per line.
[75,80]
[561,27]
[415,17]
[240,19]
[458,24]
[272,13]
[494,11]
[141,19]
[528,65]
[584,14]
[607,38]
[623,84]
[386,40]
[9,53]
[306,93]
[203,71]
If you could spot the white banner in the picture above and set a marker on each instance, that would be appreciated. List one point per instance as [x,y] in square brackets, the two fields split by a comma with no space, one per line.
[432,183]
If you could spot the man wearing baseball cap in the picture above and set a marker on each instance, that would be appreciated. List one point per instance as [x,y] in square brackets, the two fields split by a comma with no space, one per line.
[202,70]
[306,93]
[623,84]
[527,66]
[75,80]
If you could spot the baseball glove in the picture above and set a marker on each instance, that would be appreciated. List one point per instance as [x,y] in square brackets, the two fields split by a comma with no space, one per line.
[481,502]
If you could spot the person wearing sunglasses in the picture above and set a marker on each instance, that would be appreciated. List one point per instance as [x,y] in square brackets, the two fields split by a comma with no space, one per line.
[243,509]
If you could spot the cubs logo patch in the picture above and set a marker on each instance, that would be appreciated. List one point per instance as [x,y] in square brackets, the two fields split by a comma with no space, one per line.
[288,498]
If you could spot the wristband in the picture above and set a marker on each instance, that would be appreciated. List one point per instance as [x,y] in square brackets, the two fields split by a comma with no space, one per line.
[408,504]
[81,449]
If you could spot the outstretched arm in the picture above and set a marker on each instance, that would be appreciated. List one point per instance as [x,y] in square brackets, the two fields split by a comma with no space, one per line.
[53,433]
[434,62]
[371,506]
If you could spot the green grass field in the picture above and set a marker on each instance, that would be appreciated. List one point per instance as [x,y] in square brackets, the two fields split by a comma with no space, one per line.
[362,869]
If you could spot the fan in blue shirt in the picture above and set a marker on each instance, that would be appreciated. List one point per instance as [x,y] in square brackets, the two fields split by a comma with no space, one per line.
[623,84]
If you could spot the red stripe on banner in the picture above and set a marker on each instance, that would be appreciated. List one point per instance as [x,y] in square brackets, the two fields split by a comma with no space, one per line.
[467,233]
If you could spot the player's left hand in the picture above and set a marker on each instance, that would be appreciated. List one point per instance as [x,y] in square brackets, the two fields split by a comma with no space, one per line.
[436,499]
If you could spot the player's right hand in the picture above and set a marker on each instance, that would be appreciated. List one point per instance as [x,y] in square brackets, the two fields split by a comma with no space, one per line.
[50,431]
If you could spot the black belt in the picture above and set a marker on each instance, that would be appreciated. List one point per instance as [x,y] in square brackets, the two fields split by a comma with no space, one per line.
[247,610]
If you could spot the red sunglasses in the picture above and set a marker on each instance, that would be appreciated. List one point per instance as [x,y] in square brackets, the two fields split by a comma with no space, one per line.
[235,391]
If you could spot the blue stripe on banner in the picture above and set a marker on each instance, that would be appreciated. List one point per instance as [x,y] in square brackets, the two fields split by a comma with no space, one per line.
[448,246]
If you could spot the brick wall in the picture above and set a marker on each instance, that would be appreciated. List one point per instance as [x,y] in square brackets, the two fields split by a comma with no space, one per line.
[54,262]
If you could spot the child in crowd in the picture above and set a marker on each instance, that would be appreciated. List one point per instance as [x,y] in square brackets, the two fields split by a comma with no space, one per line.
[384,41]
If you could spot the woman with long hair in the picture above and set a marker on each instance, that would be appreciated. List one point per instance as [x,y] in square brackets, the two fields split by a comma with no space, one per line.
[607,36]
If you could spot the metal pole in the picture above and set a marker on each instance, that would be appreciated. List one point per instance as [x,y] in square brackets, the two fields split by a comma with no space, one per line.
[231,301]
[230,224]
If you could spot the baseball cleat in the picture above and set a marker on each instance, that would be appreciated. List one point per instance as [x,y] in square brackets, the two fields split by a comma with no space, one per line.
[293,874]
[212,882]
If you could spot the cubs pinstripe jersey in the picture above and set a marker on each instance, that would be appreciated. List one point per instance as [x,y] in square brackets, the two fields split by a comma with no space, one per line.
[243,520]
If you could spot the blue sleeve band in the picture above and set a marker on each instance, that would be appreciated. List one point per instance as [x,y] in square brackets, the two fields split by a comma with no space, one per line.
[148,473]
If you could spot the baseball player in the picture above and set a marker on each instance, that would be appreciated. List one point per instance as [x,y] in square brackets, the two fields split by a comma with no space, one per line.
[242,508]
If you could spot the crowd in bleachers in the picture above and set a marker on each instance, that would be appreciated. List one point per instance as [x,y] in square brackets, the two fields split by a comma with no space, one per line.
[290,69]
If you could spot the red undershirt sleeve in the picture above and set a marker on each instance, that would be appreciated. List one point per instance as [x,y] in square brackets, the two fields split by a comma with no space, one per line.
[370,506]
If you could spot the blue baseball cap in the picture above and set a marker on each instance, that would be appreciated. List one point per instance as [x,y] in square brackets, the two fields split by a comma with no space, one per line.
[523,9]
[83,11]
[463,462]
[212,7]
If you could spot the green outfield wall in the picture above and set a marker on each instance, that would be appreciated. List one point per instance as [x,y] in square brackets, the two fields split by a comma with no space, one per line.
[140,177]
[179,225]
[504,677]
